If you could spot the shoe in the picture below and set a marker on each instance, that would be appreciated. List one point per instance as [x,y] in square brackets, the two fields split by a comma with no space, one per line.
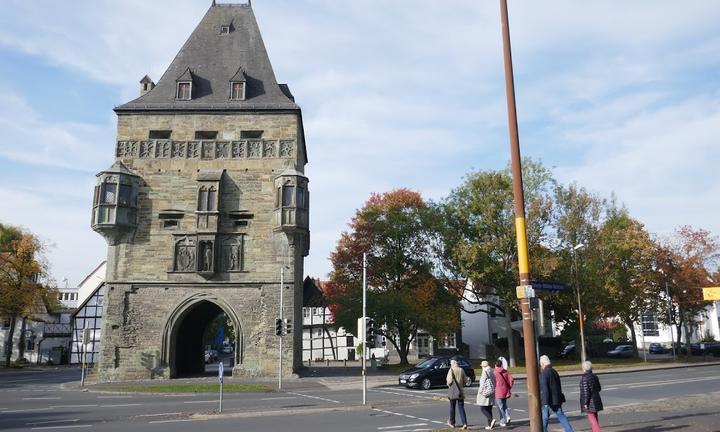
[492,424]
[503,424]
[464,427]
[450,425]
[507,421]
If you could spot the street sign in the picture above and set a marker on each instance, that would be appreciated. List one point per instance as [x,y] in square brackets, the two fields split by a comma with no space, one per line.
[221,371]
[548,286]
[711,293]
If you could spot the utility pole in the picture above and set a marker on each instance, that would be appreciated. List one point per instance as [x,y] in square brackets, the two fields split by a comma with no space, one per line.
[364,327]
[531,367]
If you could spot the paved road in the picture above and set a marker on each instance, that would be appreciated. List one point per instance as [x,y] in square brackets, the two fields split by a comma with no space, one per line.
[50,400]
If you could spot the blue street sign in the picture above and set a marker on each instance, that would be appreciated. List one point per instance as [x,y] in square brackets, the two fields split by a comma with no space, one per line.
[548,286]
[221,367]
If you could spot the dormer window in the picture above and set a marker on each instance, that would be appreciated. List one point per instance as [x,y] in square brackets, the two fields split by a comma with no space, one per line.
[224,29]
[237,85]
[183,90]
[184,85]
[237,90]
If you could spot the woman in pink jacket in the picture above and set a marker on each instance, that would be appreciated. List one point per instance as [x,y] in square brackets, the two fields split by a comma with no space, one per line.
[503,384]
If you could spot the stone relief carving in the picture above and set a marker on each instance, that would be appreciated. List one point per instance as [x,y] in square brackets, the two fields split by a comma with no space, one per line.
[232,254]
[206,149]
[286,149]
[207,256]
[254,149]
[185,255]
[268,149]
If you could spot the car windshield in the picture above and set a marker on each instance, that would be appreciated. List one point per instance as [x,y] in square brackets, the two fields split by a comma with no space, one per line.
[426,364]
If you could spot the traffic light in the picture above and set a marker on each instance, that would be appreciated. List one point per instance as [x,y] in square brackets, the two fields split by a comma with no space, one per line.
[288,326]
[278,327]
[370,332]
[534,303]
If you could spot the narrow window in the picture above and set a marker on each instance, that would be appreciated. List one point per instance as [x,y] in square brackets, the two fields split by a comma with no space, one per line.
[205,135]
[96,196]
[251,134]
[237,91]
[183,91]
[202,199]
[109,193]
[287,193]
[170,224]
[300,197]
[159,134]
[125,195]
[212,197]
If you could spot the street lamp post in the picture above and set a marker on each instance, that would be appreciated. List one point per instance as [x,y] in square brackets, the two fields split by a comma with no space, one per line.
[581,320]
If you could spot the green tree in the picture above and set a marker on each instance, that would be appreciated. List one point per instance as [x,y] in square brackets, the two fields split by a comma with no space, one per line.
[627,263]
[475,238]
[403,294]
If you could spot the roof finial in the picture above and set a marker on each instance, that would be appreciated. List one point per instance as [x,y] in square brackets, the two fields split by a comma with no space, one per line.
[249,3]
[213,3]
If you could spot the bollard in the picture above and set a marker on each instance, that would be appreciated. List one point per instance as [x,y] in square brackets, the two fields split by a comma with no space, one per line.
[345,363]
[327,362]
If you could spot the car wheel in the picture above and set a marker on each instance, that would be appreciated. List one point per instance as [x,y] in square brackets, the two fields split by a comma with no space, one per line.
[468,381]
[426,384]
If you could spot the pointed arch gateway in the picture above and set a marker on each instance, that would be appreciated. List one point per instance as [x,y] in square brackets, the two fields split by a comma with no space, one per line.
[182,343]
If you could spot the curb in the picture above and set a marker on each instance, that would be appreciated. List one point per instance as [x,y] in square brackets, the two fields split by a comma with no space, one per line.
[273,413]
[632,370]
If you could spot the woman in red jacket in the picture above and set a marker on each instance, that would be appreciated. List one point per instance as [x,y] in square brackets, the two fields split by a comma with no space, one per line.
[503,384]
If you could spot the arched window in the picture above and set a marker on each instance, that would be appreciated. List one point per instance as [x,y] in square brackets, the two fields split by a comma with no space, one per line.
[212,199]
[202,199]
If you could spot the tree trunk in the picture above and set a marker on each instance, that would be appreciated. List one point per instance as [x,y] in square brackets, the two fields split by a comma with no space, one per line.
[687,339]
[633,337]
[21,341]
[510,339]
[9,341]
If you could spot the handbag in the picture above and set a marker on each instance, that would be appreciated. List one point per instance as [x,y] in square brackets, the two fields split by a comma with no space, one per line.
[488,388]
[453,389]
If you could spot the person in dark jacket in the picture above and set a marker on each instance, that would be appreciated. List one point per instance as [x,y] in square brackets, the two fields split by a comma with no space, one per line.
[590,401]
[551,395]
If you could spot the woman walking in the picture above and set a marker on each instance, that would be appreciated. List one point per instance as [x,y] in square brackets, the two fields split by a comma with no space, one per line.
[503,384]
[590,401]
[456,393]
[486,393]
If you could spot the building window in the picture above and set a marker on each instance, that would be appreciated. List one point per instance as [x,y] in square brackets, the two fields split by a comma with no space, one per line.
[287,193]
[237,91]
[170,223]
[202,199]
[493,312]
[125,195]
[251,134]
[212,198]
[183,90]
[30,343]
[650,324]
[306,313]
[207,199]
[205,135]
[300,197]
[109,193]
[319,332]
[224,29]
[159,134]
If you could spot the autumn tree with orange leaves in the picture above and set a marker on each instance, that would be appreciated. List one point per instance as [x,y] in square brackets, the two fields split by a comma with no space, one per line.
[22,292]
[403,295]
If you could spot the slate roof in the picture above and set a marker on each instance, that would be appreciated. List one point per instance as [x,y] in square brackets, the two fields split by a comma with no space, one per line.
[214,59]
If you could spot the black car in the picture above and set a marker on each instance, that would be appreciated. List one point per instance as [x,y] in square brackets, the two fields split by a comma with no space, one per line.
[656,348]
[433,372]
[567,351]
[621,351]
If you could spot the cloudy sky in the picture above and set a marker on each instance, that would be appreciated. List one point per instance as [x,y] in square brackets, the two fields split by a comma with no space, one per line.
[619,97]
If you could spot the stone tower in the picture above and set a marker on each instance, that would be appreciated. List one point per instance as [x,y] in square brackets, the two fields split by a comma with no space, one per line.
[205,204]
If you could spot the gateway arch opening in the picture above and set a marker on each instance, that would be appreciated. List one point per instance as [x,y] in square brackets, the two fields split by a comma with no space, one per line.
[204,337]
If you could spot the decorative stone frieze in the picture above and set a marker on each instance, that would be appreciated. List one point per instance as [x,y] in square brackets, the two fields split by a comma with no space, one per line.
[206,149]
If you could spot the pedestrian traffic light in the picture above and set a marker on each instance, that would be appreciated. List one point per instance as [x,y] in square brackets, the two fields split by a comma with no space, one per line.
[288,326]
[534,303]
[278,327]
[370,332]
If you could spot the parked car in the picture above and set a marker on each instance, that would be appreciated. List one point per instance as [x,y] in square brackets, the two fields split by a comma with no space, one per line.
[657,348]
[433,371]
[621,351]
[211,356]
[567,351]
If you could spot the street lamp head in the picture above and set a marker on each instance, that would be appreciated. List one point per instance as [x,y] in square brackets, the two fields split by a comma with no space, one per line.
[579,246]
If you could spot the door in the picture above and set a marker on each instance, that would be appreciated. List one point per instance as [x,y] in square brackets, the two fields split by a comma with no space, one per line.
[423,345]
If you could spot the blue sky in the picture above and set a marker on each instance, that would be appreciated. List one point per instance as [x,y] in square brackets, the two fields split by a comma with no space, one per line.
[620,97]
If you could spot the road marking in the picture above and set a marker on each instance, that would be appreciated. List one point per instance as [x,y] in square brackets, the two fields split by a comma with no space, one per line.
[158,414]
[203,401]
[119,405]
[278,398]
[74,406]
[51,421]
[314,397]
[401,426]
[61,427]
[21,380]
[40,398]
[403,394]
[114,397]
[404,415]
[25,410]
[174,421]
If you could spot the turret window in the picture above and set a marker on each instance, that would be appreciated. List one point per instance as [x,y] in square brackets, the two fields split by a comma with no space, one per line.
[125,195]
[237,90]
[109,193]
